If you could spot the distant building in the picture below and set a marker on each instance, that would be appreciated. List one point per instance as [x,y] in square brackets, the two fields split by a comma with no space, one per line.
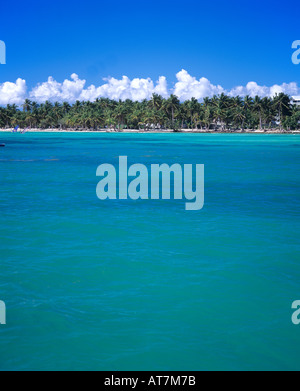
[296,100]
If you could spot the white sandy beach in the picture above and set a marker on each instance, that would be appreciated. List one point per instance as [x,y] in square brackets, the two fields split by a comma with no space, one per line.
[250,131]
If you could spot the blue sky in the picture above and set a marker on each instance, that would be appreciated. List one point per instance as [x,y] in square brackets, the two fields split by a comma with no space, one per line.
[228,42]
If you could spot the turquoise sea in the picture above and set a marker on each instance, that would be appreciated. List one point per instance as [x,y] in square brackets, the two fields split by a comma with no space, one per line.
[147,285]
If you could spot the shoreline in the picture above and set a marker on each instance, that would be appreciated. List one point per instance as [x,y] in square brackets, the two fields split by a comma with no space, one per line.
[157,131]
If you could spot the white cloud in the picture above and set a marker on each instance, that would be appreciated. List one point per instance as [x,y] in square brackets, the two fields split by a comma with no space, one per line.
[289,89]
[162,87]
[13,92]
[189,87]
[137,89]
[72,90]
[53,91]
[253,89]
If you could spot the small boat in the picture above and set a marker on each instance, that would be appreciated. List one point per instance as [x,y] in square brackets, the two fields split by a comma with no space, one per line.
[2,145]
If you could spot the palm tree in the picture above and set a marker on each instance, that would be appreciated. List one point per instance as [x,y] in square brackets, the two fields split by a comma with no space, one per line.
[193,109]
[239,116]
[171,106]
[208,112]
[258,107]
[27,105]
[282,104]
[156,102]
[220,105]
[229,112]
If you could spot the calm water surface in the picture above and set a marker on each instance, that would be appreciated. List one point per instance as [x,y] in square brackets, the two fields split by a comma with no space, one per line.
[146,285]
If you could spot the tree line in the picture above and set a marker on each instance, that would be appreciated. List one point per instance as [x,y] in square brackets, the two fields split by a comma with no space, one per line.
[220,112]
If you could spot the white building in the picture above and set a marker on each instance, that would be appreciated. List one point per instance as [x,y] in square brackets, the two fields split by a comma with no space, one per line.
[296,100]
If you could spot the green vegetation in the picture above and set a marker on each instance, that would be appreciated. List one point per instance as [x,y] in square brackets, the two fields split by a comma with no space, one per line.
[218,113]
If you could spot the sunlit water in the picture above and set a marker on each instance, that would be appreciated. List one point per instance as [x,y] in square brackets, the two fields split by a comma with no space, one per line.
[146,285]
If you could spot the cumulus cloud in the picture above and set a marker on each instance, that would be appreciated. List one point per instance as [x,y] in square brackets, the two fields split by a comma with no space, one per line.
[188,87]
[11,93]
[137,89]
[253,89]
[69,90]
